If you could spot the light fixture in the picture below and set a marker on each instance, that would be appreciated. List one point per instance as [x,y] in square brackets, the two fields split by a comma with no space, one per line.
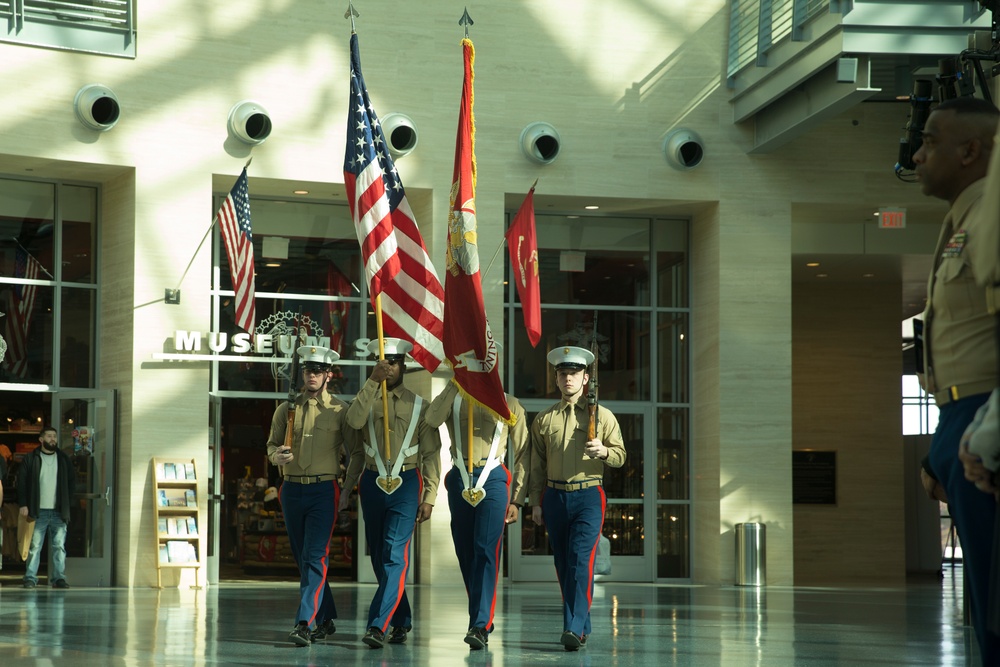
[868,275]
[572,217]
[400,133]
[97,107]
[821,275]
[812,264]
[300,192]
[273,265]
[540,142]
[592,207]
[249,122]
[683,149]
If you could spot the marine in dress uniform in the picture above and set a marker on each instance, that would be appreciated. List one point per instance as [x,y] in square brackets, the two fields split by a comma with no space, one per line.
[309,494]
[395,490]
[959,162]
[565,488]
[477,529]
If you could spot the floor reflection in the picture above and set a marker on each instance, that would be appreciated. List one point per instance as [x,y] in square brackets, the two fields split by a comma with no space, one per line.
[634,624]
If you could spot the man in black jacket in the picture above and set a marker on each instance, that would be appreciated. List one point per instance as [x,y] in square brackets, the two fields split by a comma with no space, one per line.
[45,485]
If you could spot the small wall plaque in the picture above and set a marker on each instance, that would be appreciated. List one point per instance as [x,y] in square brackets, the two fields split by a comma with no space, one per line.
[814,477]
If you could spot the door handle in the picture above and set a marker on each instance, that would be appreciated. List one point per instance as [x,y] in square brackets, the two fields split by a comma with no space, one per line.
[107,496]
[217,497]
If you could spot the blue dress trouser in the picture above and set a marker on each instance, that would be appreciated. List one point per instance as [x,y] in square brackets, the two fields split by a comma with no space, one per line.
[389,523]
[574,520]
[478,536]
[974,513]
[310,512]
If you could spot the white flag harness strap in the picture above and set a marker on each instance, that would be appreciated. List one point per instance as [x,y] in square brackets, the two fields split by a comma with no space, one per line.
[406,450]
[492,461]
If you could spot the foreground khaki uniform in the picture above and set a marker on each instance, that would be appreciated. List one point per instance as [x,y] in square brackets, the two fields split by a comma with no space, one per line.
[483,427]
[558,439]
[427,459]
[960,346]
[318,445]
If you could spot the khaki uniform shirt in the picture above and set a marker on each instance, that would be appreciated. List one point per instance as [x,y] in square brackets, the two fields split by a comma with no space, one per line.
[401,403]
[558,439]
[317,447]
[960,337]
[483,427]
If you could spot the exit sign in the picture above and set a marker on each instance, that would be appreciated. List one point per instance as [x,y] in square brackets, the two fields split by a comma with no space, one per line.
[891,218]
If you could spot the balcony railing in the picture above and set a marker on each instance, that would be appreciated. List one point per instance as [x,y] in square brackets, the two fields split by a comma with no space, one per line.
[94,26]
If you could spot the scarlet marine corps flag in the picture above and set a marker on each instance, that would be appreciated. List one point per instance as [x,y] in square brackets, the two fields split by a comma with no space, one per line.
[468,342]
[523,248]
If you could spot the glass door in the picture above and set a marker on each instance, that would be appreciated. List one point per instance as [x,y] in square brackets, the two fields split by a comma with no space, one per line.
[629,518]
[85,421]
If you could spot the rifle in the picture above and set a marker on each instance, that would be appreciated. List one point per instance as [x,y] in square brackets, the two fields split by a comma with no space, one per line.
[592,387]
[292,384]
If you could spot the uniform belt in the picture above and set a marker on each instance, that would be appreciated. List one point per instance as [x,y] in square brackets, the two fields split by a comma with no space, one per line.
[481,463]
[574,486]
[309,479]
[402,468]
[951,394]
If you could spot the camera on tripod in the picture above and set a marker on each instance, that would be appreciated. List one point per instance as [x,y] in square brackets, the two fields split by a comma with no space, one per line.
[956,77]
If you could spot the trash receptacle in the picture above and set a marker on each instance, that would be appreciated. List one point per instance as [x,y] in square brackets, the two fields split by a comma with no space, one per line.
[749,554]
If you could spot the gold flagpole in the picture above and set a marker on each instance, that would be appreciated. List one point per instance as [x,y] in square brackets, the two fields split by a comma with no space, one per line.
[385,392]
[469,461]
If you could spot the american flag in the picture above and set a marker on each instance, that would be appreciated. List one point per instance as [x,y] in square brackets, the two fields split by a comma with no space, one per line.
[19,317]
[234,225]
[396,261]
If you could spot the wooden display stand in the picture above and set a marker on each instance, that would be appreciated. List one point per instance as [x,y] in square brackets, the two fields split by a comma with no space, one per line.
[178,525]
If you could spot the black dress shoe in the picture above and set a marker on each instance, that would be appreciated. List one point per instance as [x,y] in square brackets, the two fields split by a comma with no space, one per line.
[477,638]
[570,641]
[300,635]
[323,630]
[583,641]
[397,635]
[61,583]
[374,638]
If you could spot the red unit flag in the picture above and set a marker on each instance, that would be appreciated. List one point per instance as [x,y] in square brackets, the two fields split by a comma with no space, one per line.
[468,342]
[396,262]
[19,317]
[523,248]
[234,226]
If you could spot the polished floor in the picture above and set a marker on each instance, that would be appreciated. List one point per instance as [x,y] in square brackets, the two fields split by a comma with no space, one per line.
[246,623]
